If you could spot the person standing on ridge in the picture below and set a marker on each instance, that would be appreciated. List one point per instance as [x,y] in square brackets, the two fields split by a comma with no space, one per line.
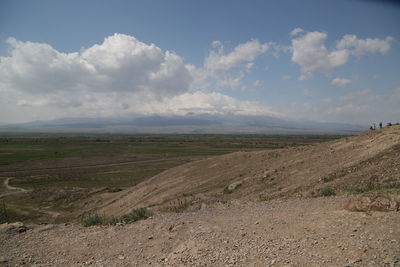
[380,125]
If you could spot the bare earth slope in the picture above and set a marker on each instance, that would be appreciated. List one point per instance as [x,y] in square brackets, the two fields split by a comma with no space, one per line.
[371,157]
[297,232]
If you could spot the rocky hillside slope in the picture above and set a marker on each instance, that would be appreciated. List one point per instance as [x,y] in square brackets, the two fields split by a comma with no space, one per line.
[367,162]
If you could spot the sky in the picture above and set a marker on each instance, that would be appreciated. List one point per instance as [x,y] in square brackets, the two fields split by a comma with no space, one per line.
[320,60]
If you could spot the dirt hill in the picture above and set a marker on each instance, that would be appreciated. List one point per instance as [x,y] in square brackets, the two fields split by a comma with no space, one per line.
[367,162]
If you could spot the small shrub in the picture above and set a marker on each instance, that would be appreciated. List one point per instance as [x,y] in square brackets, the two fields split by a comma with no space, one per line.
[92,219]
[262,198]
[227,190]
[135,215]
[111,221]
[329,178]
[178,206]
[327,191]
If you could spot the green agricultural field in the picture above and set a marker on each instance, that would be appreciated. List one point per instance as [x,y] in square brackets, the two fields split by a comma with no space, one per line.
[63,173]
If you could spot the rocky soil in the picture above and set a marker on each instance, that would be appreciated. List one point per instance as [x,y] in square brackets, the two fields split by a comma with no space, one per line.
[294,232]
[366,162]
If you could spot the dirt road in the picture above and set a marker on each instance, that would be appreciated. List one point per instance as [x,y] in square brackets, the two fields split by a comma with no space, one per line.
[14,190]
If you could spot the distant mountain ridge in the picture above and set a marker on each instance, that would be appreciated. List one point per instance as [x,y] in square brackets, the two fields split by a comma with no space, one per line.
[203,123]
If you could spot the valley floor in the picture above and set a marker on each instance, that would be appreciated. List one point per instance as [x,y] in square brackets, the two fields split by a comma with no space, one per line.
[295,232]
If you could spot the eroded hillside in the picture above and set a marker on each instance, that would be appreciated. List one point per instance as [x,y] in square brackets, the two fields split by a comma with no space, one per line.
[366,162]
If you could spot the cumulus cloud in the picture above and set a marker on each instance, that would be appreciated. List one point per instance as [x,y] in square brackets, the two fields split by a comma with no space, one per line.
[310,52]
[341,82]
[360,47]
[119,77]
[229,82]
[218,61]
[121,63]
[296,31]
[226,70]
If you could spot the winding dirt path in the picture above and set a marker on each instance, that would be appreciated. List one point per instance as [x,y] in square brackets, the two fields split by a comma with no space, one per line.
[19,190]
[14,190]
[10,187]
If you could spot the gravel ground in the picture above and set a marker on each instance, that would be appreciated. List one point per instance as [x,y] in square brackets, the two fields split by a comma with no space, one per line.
[294,232]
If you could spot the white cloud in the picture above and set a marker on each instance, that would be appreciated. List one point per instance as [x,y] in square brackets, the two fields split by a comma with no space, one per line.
[360,47]
[340,82]
[249,66]
[120,77]
[276,49]
[348,108]
[296,31]
[311,54]
[216,44]
[110,104]
[223,70]
[218,62]
[229,82]
[120,63]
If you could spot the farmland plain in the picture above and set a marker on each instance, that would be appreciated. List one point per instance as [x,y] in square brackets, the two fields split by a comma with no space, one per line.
[60,174]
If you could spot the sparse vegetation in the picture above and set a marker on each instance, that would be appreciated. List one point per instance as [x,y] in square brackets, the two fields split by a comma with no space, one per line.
[371,186]
[227,190]
[327,191]
[179,205]
[133,216]
[93,219]
[328,178]
[263,198]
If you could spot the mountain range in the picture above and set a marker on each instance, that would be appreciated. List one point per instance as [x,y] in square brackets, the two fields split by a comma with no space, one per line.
[189,124]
